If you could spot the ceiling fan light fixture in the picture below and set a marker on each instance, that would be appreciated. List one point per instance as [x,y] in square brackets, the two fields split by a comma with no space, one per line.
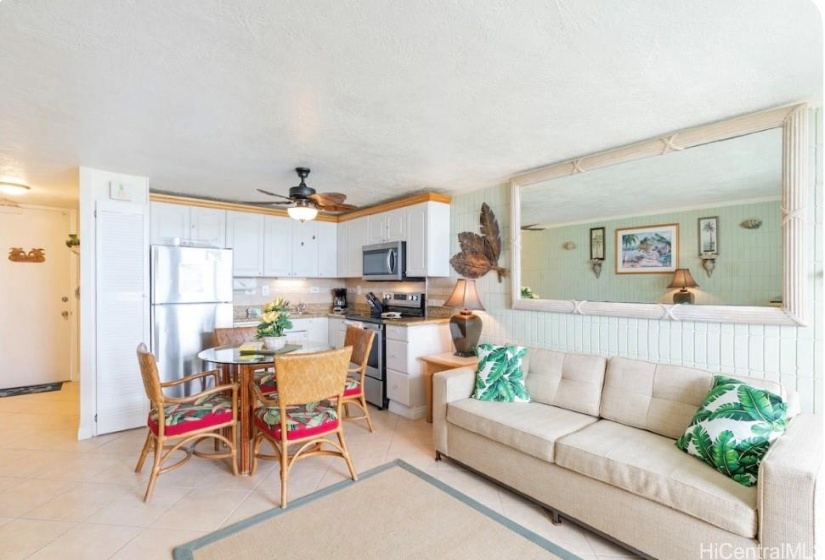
[302,211]
[13,189]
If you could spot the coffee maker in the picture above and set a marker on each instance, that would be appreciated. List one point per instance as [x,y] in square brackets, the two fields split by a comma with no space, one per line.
[339,300]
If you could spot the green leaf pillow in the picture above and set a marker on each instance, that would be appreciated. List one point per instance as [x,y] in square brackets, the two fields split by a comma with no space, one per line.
[734,427]
[499,376]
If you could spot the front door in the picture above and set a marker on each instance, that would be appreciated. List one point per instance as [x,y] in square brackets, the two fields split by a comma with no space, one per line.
[35,297]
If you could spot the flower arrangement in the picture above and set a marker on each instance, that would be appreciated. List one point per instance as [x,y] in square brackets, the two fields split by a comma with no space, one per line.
[274,319]
[527,293]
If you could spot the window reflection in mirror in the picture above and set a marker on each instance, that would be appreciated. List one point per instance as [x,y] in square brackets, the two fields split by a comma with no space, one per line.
[734,180]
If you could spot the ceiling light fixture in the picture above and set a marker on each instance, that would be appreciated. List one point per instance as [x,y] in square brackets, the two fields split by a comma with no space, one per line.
[13,189]
[303,211]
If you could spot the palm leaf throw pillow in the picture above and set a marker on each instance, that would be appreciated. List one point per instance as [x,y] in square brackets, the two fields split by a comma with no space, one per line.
[499,376]
[734,427]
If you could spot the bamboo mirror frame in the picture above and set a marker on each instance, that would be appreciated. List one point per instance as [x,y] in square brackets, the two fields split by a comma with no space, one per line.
[793,120]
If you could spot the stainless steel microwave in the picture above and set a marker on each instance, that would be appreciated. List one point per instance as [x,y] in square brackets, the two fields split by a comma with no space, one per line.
[385,261]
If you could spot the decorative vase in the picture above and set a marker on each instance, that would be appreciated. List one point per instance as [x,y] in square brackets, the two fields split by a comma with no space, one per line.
[274,342]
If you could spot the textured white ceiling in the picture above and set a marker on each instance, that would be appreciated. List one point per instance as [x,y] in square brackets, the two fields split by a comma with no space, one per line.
[380,99]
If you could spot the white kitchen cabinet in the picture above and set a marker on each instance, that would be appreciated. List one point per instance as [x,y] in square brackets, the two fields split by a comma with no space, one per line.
[405,373]
[428,239]
[352,236]
[309,329]
[336,331]
[299,249]
[277,246]
[304,249]
[327,233]
[388,226]
[245,236]
[173,224]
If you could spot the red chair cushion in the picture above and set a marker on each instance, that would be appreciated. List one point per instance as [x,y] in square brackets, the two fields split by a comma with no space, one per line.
[302,420]
[266,382]
[352,388]
[211,410]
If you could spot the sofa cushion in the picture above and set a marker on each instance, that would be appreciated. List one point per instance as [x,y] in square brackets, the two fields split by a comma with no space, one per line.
[571,381]
[650,466]
[499,376]
[660,398]
[532,428]
[734,427]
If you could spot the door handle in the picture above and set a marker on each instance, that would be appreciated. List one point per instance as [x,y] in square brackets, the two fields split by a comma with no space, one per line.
[65,314]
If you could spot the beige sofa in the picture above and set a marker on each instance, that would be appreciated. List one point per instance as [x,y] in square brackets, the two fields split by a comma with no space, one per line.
[596,445]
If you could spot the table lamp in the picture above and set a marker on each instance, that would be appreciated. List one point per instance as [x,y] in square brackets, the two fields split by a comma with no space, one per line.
[465,326]
[682,280]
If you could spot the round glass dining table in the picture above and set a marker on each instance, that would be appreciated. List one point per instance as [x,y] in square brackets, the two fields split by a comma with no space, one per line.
[238,363]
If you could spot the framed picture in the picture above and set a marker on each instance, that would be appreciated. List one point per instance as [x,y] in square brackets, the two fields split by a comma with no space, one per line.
[596,243]
[647,250]
[709,235]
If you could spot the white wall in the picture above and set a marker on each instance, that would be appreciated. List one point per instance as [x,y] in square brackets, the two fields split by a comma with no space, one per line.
[791,355]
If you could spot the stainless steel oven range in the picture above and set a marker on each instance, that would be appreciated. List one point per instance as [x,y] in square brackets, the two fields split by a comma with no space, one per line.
[393,306]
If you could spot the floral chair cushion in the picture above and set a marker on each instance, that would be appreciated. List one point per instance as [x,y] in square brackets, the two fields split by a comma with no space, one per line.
[353,387]
[302,420]
[266,382]
[211,410]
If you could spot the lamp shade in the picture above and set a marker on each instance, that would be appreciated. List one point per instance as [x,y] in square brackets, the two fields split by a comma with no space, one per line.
[682,279]
[302,211]
[464,295]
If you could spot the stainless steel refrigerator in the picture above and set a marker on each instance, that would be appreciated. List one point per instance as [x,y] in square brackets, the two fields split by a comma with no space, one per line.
[191,296]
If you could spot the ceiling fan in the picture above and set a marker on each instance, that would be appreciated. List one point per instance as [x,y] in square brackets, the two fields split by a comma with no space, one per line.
[305,201]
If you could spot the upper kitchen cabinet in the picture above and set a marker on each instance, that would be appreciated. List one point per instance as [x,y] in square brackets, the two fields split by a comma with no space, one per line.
[428,239]
[327,249]
[352,236]
[388,226]
[245,236]
[175,223]
[299,249]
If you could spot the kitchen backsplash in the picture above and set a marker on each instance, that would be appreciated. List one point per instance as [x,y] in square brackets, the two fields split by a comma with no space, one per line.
[316,294]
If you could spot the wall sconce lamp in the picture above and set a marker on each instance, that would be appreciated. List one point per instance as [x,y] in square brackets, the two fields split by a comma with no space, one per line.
[596,266]
[708,263]
[683,280]
[465,326]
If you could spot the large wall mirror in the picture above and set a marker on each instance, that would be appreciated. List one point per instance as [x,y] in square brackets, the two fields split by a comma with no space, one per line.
[614,233]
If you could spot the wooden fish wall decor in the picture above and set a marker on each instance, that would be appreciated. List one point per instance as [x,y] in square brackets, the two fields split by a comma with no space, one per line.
[17,254]
[479,253]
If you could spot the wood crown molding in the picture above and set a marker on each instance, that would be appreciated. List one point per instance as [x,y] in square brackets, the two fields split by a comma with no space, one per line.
[361,212]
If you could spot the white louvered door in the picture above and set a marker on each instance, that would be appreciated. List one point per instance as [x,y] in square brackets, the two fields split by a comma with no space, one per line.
[122,279]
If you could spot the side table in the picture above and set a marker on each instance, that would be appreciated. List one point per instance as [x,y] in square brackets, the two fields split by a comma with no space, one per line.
[440,362]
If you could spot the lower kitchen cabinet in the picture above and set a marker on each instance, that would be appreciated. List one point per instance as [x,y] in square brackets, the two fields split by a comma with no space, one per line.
[405,372]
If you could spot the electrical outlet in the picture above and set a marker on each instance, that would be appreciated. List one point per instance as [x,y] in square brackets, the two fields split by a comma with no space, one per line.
[264,290]
[358,289]
[314,290]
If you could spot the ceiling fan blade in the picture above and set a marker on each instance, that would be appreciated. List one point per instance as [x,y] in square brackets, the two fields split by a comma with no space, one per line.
[261,203]
[273,194]
[337,207]
[328,198]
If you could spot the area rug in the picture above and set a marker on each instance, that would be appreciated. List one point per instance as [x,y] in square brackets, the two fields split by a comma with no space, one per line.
[29,389]
[392,512]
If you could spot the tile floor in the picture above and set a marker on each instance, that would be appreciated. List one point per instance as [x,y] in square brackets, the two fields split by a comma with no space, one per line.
[66,499]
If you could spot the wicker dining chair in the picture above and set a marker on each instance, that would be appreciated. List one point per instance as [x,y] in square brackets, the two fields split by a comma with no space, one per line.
[235,336]
[361,342]
[212,413]
[307,412]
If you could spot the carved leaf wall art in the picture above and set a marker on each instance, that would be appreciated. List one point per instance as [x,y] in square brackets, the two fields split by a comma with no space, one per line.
[17,254]
[479,253]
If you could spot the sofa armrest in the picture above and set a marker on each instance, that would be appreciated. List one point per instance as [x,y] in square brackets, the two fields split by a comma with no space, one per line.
[448,386]
[791,494]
